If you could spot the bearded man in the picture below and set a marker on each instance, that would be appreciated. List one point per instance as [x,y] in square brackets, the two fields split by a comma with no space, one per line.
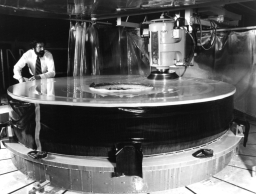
[40,62]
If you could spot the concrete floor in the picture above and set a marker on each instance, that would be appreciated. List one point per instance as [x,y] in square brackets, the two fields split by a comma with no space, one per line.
[237,178]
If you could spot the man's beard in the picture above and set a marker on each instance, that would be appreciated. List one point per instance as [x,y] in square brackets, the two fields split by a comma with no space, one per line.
[40,53]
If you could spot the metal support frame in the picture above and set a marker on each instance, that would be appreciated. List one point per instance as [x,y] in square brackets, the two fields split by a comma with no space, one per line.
[2,68]
[143,11]
[95,175]
[119,22]
[233,29]
[8,51]
[220,11]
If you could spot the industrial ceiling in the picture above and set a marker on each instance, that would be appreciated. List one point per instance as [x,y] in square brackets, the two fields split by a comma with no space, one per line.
[106,9]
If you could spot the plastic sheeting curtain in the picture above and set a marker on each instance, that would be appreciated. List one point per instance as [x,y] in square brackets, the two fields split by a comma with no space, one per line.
[84,56]
[77,50]
[232,60]
[106,50]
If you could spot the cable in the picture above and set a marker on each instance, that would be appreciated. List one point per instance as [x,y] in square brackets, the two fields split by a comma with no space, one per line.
[185,69]
[189,58]
[213,34]
[194,46]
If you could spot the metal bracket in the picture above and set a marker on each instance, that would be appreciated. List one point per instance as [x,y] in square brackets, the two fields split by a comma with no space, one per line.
[39,188]
[128,159]
[119,22]
[237,129]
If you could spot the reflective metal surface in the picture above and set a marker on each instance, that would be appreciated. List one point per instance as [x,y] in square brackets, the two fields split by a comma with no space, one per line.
[76,91]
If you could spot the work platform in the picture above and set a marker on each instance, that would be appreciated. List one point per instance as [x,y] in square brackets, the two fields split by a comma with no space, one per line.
[238,177]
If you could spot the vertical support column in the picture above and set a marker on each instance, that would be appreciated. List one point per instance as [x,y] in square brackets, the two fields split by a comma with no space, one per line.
[2,68]
[9,52]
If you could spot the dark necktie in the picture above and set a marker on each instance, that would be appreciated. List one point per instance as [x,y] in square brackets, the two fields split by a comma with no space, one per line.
[38,66]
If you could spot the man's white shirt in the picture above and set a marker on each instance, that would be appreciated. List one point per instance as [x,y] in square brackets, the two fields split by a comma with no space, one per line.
[29,58]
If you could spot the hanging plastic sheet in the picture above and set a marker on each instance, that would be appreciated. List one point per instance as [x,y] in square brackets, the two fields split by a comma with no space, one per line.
[71,49]
[78,48]
[96,57]
[114,49]
[105,50]
[77,63]
[83,67]
[111,49]
[236,64]
[232,60]
[137,56]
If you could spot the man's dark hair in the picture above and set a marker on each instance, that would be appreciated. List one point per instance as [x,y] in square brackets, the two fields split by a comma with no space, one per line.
[37,39]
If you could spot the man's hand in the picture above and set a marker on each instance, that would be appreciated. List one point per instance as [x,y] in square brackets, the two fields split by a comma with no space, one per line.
[35,77]
[21,80]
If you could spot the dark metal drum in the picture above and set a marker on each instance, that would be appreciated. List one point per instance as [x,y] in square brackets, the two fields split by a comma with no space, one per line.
[67,116]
